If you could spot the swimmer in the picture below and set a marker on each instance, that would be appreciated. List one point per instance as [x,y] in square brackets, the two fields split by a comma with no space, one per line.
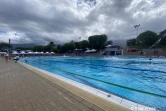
[150,58]
[129,63]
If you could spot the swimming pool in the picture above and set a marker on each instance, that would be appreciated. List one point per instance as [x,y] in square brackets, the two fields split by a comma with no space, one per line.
[135,78]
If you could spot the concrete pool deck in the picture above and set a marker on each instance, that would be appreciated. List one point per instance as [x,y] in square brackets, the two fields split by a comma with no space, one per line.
[22,89]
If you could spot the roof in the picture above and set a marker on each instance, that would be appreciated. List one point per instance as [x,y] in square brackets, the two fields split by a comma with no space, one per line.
[93,50]
[112,46]
[2,52]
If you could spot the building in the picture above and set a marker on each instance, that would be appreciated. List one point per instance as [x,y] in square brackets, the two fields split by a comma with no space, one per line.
[2,54]
[113,50]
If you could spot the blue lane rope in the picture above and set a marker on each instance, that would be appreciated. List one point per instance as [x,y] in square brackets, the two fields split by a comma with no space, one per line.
[121,86]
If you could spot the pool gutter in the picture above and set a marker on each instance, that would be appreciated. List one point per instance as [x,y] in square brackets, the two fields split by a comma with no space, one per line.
[106,101]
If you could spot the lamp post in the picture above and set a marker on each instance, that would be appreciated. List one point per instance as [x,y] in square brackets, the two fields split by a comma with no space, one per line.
[79,41]
[9,41]
[136,27]
[9,44]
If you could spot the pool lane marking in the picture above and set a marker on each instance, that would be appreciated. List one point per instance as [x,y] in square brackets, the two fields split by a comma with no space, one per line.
[121,86]
[114,67]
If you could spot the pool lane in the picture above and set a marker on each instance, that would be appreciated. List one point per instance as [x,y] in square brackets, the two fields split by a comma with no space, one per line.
[64,68]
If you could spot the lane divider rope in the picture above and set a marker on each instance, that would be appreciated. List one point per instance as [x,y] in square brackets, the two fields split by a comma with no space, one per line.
[115,67]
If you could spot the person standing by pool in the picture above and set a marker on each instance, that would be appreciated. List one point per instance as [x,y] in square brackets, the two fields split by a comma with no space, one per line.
[141,52]
[6,57]
[154,52]
[157,53]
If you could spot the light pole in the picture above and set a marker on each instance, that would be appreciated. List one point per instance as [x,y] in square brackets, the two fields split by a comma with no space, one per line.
[79,41]
[9,41]
[136,27]
[9,44]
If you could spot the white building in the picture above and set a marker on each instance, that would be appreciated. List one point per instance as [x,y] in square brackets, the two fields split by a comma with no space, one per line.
[113,50]
[2,54]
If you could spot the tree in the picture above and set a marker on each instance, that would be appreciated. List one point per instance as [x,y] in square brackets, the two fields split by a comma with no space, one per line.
[55,50]
[47,48]
[68,47]
[38,48]
[84,44]
[77,45]
[162,35]
[59,48]
[147,38]
[51,46]
[108,43]
[97,41]
[131,42]
[5,46]
[24,48]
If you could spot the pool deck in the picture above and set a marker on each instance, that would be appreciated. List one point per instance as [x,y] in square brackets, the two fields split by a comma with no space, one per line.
[22,89]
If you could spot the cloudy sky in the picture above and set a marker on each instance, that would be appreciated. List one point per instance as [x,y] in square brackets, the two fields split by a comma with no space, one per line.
[42,21]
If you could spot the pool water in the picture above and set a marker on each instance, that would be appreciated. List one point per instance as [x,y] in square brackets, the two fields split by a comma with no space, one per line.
[135,78]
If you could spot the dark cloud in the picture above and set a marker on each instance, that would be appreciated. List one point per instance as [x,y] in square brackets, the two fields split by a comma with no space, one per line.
[62,21]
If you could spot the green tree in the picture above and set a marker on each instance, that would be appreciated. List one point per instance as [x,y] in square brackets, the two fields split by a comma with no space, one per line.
[59,48]
[38,48]
[68,47]
[24,48]
[84,44]
[131,42]
[47,48]
[108,43]
[51,46]
[77,45]
[97,41]
[5,46]
[55,50]
[147,38]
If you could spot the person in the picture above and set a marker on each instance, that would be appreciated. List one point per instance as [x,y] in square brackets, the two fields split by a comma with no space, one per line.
[16,58]
[6,57]
[150,58]
[141,53]
[130,63]
[157,53]
[26,61]
[154,52]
